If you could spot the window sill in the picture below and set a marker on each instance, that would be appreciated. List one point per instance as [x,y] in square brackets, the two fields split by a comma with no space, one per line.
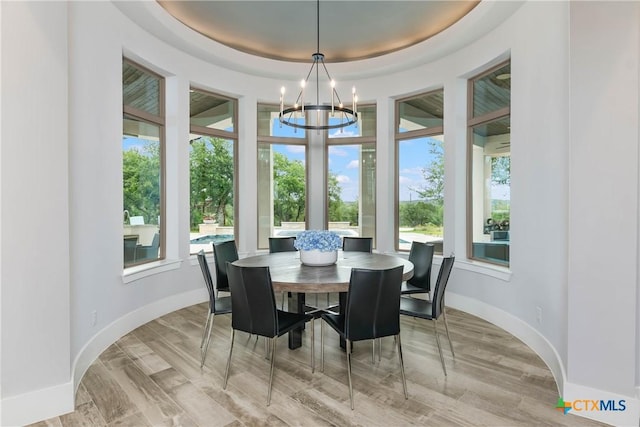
[492,270]
[132,274]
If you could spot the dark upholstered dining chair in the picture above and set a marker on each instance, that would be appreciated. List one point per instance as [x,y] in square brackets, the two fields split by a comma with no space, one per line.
[372,311]
[254,311]
[223,252]
[216,306]
[421,255]
[357,244]
[282,244]
[432,310]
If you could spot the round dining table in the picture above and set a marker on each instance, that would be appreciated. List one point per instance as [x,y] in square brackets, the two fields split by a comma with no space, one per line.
[289,275]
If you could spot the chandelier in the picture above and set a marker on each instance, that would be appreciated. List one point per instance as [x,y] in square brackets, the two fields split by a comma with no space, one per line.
[345,116]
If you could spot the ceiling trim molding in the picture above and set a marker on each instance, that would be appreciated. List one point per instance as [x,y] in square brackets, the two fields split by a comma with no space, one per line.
[153,18]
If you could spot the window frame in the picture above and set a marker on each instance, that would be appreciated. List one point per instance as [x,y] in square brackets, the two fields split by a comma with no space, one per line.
[218,133]
[403,136]
[352,140]
[280,140]
[160,121]
[473,121]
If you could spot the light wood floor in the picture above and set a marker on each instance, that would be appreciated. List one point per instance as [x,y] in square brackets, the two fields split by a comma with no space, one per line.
[152,377]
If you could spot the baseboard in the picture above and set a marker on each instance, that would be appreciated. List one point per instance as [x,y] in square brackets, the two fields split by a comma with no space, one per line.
[611,411]
[38,405]
[125,324]
[516,327]
[547,352]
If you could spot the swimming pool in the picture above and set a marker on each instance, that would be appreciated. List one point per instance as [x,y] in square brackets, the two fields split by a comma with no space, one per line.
[211,238]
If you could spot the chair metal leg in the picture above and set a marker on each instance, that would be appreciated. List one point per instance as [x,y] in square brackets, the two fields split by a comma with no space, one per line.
[435,327]
[204,332]
[349,372]
[321,346]
[226,371]
[205,349]
[373,351]
[313,353]
[404,380]
[273,359]
[379,349]
[446,327]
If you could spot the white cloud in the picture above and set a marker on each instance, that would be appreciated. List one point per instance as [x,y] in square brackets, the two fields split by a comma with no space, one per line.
[295,148]
[337,151]
[341,133]
[405,181]
[353,164]
[343,179]
[412,171]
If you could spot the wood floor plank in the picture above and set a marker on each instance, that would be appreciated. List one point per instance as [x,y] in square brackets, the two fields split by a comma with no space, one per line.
[152,376]
[112,402]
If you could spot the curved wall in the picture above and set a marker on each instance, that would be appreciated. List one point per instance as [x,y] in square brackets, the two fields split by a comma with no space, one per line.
[100,33]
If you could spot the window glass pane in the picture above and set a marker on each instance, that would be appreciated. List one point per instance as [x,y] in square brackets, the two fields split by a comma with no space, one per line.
[366,125]
[212,191]
[421,191]
[352,189]
[281,190]
[207,110]
[492,91]
[269,123]
[422,112]
[491,191]
[141,176]
[140,89]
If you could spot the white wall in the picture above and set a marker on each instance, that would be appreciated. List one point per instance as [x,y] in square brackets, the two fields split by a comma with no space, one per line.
[552,179]
[603,196]
[35,310]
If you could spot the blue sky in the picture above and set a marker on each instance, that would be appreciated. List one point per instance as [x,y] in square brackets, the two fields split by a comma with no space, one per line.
[344,161]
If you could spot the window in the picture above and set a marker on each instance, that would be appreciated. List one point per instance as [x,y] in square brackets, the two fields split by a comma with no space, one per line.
[489,166]
[142,164]
[420,170]
[282,177]
[351,176]
[213,140]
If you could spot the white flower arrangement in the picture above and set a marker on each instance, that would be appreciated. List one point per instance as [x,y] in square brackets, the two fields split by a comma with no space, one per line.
[321,240]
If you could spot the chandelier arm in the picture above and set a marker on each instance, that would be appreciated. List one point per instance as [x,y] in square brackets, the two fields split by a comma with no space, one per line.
[330,79]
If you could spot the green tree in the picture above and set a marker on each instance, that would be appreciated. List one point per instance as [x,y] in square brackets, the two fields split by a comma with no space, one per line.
[289,196]
[433,174]
[211,165]
[141,181]
[501,170]
[429,210]
[337,208]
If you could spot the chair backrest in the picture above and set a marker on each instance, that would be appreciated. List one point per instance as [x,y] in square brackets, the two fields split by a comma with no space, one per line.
[357,244]
[282,244]
[253,305]
[421,256]
[130,244]
[223,252]
[208,281]
[373,303]
[441,284]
